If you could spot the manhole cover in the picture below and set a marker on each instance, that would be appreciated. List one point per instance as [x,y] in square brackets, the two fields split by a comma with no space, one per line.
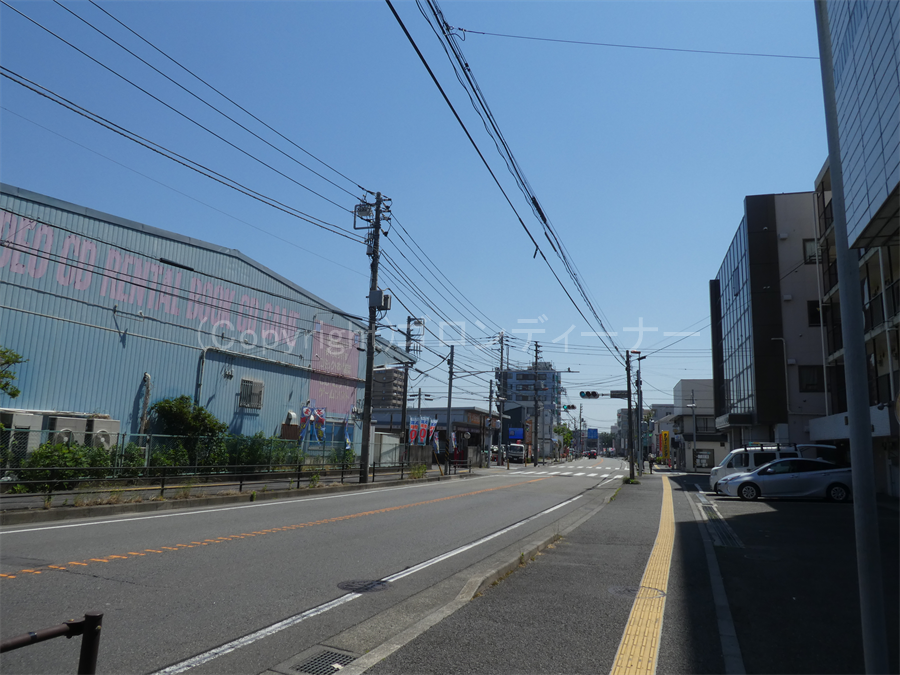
[632,591]
[326,663]
[363,586]
[761,555]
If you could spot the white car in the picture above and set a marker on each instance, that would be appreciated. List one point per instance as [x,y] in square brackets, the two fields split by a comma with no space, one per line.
[791,478]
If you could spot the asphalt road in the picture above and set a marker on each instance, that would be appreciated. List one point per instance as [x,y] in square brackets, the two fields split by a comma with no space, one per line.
[173,586]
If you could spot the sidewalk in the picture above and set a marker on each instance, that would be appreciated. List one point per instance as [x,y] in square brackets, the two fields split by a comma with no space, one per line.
[563,612]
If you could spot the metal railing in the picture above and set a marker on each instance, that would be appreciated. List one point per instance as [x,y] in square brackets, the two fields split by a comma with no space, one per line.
[88,628]
[82,483]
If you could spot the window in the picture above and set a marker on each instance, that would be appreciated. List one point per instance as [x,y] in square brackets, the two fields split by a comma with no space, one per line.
[810,252]
[760,458]
[812,379]
[814,313]
[251,394]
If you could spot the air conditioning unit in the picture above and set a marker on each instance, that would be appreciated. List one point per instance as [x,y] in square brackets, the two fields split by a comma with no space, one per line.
[67,429]
[102,433]
[22,433]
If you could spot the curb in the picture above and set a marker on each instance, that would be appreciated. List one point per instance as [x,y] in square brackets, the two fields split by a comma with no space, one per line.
[472,587]
[60,513]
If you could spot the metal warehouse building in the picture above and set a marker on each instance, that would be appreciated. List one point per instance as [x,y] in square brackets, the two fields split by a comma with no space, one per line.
[113,315]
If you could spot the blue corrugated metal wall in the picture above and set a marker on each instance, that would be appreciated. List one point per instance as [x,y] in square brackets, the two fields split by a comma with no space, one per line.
[94,302]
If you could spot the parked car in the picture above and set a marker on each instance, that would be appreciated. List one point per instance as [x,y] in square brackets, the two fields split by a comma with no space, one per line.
[742,460]
[791,478]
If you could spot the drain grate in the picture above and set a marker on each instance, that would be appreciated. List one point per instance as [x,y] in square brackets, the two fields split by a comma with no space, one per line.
[363,586]
[326,663]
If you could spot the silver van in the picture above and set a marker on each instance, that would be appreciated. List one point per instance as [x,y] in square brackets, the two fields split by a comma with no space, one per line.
[743,460]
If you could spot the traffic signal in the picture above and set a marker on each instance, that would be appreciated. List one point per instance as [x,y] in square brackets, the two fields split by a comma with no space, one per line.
[568,407]
[589,394]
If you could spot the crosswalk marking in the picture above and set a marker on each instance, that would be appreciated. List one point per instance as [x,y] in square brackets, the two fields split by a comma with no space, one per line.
[566,473]
[579,474]
[591,475]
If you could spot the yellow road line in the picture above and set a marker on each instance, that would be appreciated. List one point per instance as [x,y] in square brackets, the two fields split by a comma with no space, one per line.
[325,521]
[639,648]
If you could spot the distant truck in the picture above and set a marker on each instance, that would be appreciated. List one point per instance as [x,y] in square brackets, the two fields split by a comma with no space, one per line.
[516,453]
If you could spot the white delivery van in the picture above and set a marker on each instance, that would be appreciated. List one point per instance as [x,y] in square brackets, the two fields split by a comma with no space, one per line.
[516,452]
[747,459]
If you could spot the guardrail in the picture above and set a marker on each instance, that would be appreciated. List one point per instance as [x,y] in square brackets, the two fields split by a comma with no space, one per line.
[88,628]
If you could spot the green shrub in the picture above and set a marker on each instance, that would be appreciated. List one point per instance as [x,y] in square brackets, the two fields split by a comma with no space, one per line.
[62,463]
[418,471]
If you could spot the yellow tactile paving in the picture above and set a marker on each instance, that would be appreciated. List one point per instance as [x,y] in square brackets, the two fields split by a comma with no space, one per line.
[639,647]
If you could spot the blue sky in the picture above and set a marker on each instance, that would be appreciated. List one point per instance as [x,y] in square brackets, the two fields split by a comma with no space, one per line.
[640,158]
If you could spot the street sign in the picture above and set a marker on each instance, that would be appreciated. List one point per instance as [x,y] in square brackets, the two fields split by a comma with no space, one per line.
[619,393]
[593,434]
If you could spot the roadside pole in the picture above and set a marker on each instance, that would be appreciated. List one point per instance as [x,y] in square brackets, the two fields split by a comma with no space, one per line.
[449,409]
[865,510]
[630,420]
[370,345]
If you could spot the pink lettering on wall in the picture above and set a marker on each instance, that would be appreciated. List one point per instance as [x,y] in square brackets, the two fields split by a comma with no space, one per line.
[21,245]
[246,318]
[113,262]
[8,237]
[65,273]
[85,267]
[40,251]
[335,357]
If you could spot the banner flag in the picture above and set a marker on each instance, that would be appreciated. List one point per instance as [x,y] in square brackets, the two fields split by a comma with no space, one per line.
[413,429]
[319,414]
[423,431]
[305,415]
[347,444]
[432,431]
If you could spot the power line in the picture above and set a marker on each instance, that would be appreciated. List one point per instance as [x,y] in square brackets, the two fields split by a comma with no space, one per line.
[623,46]
[169,154]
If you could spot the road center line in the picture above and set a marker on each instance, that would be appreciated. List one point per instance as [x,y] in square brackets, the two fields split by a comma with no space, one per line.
[228,647]
[285,528]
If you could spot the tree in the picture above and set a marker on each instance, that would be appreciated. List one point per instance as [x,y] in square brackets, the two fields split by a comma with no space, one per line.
[564,432]
[180,417]
[201,433]
[8,359]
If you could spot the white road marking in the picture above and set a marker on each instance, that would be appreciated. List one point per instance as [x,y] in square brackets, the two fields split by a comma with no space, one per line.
[229,647]
[579,474]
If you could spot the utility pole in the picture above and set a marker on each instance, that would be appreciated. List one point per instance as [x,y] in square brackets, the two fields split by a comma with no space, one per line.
[630,420]
[694,430]
[449,409]
[370,343]
[502,396]
[534,417]
[403,430]
[490,426]
[865,509]
[640,413]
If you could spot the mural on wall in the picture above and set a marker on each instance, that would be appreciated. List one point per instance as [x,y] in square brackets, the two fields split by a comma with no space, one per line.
[335,359]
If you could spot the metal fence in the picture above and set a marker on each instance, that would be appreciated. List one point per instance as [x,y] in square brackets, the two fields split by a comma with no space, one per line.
[88,628]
